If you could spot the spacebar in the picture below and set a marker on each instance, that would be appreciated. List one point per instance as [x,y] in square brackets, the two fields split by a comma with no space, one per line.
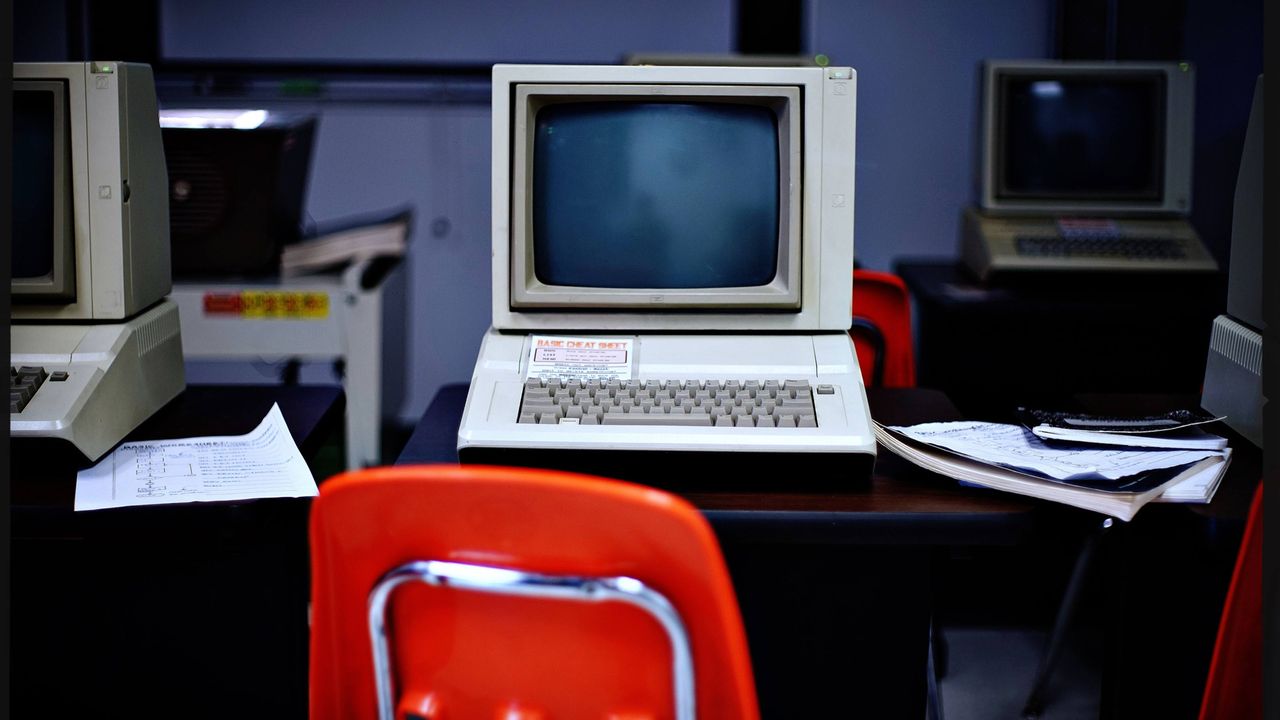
[680,419]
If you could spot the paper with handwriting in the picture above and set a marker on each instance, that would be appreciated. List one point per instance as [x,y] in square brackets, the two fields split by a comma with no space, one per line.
[261,464]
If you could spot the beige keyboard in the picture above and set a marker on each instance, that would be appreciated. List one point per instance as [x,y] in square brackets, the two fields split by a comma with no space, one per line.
[683,403]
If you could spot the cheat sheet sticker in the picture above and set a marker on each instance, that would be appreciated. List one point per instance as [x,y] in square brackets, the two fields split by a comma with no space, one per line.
[581,357]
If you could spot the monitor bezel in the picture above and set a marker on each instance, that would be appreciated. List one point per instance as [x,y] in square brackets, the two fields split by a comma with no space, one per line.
[1173,197]
[59,284]
[826,120]
[529,291]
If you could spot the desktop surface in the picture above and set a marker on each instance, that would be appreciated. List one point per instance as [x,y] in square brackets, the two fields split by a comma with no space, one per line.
[899,497]
[903,543]
[145,609]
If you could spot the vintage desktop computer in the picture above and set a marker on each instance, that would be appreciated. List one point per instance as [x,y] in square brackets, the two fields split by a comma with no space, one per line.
[94,345]
[682,239]
[1233,369]
[1086,168]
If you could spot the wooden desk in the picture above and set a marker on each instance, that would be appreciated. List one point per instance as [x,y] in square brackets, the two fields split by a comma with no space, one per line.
[195,610]
[835,586]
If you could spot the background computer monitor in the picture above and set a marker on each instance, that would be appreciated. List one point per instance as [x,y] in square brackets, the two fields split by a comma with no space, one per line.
[91,214]
[672,198]
[1102,138]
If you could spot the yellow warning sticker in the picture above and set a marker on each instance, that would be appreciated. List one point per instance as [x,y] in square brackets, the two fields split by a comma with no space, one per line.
[269,304]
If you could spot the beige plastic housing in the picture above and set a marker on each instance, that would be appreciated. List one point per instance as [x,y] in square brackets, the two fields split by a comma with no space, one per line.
[816,107]
[119,191]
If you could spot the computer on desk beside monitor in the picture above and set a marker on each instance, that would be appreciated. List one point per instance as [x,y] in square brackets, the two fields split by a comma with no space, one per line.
[692,229]
[95,347]
[1086,168]
[1233,369]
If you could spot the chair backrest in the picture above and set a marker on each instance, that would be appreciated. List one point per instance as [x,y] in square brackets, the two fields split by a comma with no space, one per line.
[457,652]
[1234,686]
[882,329]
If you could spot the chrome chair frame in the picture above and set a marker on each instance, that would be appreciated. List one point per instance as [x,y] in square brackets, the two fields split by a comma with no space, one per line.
[503,581]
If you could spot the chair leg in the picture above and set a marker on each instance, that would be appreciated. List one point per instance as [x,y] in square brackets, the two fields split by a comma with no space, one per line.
[934,702]
[1034,705]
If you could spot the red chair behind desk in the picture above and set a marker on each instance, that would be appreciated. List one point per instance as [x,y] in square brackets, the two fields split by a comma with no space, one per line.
[1233,690]
[485,592]
[882,329]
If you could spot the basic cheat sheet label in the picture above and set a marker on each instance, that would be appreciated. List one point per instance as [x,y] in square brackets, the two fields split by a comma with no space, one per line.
[581,357]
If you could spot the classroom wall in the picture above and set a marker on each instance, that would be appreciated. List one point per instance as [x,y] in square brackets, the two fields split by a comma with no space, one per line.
[443,31]
[432,156]
[918,89]
[917,121]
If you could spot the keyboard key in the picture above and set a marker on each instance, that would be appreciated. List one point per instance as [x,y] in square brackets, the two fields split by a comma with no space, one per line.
[679,419]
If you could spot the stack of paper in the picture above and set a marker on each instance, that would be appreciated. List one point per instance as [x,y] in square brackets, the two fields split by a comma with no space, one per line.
[1112,480]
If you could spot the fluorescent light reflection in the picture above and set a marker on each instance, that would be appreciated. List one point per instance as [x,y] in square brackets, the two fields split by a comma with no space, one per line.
[209,118]
[474,574]
[1046,88]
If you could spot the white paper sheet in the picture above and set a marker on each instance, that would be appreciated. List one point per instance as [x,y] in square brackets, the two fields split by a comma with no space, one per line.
[261,464]
[1015,446]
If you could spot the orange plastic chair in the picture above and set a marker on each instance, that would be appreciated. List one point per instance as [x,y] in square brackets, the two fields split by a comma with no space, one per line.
[1234,686]
[485,592]
[881,329]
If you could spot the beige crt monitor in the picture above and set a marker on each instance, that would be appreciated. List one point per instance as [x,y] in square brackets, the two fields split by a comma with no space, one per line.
[698,218]
[1086,167]
[95,346]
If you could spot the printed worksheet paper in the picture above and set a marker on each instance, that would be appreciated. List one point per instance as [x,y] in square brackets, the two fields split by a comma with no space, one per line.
[261,464]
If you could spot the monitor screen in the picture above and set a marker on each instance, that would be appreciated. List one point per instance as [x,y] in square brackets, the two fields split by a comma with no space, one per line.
[41,229]
[1066,137]
[1081,137]
[662,195]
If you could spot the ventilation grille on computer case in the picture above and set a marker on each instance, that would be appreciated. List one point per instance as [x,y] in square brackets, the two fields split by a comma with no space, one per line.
[1238,343]
[160,330]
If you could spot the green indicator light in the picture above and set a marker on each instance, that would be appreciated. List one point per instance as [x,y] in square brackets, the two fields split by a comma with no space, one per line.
[301,87]
[1184,66]
[821,60]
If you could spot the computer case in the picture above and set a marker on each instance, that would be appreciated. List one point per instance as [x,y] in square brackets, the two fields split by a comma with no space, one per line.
[1233,370]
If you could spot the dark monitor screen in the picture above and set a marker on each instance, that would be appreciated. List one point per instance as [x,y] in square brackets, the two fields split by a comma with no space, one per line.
[42,234]
[1080,137]
[34,138]
[664,195]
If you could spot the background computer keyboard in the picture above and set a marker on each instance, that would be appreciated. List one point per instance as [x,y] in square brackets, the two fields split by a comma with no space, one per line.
[1109,246]
[25,381]
[686,403]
